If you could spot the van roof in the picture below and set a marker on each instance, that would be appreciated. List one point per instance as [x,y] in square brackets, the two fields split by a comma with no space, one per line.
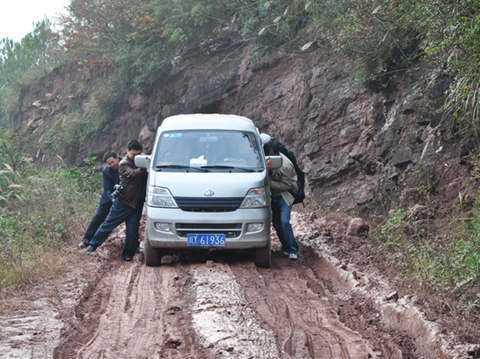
[208,122]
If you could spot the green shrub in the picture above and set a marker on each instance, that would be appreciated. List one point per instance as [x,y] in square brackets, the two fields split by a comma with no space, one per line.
[392,232]
[39,215]
[455,261]
[442,264]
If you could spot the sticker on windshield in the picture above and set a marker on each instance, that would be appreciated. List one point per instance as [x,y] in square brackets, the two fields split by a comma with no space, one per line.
[173,135]
[198,162]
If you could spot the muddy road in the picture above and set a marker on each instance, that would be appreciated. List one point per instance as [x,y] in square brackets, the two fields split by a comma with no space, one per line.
[219,306]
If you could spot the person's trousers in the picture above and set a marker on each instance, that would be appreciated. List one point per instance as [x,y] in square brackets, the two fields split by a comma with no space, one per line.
[119,213]
[281,212]
[132,231]
[100,215]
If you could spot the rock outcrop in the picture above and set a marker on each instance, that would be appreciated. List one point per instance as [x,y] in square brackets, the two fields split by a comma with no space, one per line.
[361,150]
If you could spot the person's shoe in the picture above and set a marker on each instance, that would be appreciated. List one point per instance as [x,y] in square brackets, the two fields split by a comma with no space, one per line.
[293,256]
[127,258]
[285,253]
[83,244]
[90,249]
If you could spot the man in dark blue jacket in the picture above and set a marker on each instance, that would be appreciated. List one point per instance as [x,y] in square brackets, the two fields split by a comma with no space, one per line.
[127,205]
[110,178]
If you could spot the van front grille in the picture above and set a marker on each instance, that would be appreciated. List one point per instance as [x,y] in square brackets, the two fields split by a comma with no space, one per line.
[195,204]
[232,230]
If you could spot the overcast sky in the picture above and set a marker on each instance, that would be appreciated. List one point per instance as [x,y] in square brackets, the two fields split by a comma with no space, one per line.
[17,16]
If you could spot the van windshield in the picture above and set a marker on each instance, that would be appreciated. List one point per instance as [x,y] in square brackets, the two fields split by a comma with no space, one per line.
[208,150]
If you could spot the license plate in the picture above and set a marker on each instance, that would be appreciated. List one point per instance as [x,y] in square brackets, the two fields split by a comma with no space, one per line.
[205,240]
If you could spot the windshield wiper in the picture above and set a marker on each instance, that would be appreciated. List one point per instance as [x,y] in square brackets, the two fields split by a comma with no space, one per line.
[181,167]
[224,167]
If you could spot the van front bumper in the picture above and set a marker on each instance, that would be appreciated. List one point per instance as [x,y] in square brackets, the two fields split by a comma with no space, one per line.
[168,228]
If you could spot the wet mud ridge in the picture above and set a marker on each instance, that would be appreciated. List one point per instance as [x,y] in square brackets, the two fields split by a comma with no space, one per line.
[226,307]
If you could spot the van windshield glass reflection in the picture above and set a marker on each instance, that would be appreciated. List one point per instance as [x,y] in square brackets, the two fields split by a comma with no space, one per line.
[223,151]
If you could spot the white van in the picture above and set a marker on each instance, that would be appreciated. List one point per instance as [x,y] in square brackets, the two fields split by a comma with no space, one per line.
[207,187]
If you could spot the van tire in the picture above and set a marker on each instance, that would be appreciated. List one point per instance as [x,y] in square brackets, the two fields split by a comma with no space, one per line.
[152,255]
[263,256]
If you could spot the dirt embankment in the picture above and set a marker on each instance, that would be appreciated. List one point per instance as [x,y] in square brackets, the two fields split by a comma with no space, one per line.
[361,150]
[223,307]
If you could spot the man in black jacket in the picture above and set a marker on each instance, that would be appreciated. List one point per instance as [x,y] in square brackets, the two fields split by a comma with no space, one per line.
[127,205]
[110,178]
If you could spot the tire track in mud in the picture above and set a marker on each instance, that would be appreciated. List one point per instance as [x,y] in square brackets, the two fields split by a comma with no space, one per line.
[144,314]
[299,310]
[227,309]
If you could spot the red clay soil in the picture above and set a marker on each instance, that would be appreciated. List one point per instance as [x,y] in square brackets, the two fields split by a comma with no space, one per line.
[224,307]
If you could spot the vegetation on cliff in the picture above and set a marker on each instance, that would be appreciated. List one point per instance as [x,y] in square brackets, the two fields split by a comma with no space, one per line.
[143,40]
[38,53]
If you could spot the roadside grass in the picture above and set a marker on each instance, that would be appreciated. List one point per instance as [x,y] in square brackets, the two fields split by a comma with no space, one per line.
[41,211]
[446,265]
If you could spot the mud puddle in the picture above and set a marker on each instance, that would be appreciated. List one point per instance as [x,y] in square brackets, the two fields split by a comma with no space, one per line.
[32,333]
[35,318]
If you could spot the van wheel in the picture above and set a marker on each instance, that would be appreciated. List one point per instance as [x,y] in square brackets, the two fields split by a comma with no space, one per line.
[263,256]
[153,256]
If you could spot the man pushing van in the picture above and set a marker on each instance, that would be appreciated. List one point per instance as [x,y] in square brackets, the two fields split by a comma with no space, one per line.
[127,204]
[284,183]
[109,180]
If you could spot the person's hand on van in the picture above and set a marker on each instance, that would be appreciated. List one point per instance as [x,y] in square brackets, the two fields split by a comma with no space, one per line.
[269,166]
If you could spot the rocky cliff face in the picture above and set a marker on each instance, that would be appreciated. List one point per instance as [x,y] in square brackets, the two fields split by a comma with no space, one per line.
[361,150]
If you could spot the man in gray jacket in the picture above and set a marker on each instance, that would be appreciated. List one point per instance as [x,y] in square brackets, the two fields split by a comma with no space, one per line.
[283,182]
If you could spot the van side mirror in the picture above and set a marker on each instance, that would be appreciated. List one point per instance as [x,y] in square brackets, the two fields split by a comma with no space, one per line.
[142,161]
[274,162]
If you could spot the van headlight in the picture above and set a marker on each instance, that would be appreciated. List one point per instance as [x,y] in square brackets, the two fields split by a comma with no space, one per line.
[255,227]
[160,197]
[255,198]
[163,227]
